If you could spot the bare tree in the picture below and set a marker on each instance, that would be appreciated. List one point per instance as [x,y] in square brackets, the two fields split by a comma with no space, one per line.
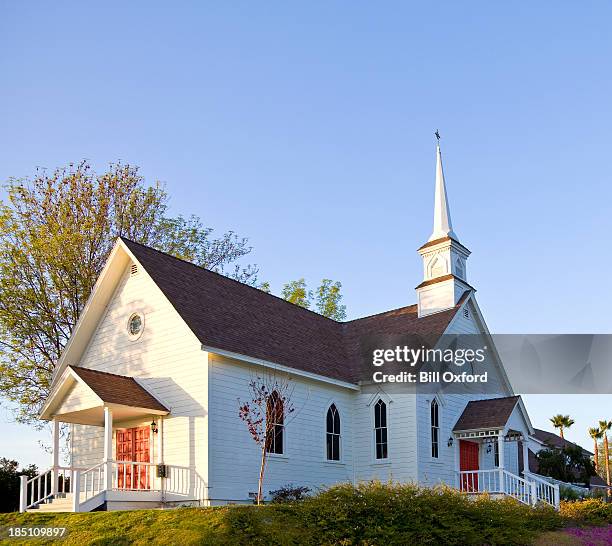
[266,414]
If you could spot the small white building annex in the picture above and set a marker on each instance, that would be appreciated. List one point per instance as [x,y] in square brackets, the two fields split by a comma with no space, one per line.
[150,379]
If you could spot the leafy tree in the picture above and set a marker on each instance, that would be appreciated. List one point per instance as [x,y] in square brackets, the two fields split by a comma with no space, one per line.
[327,297]
[568,464]
[561,422]
[56,231]
[295,292]
[265,287]
[9,483]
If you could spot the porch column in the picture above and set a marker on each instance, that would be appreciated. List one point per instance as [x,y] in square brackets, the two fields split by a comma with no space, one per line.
[525,457]
[108,448]
[55,434]
[500,448]
[160,440]
[456,443]
[160,450]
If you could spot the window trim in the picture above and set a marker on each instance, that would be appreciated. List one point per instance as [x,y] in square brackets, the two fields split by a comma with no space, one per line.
[340,458]
[283,452]
[437,427]
[135,337]
[387,459]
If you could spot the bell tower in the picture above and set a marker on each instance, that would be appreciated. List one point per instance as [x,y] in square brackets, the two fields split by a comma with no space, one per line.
[444,257]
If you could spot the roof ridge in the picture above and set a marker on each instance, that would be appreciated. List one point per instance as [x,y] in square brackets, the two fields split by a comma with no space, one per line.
[380,313]
[123,238]
[228,278]
[515,396]
[100,372]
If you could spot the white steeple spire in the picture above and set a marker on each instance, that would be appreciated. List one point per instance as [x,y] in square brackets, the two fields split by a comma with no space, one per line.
[442,225]
[444,257]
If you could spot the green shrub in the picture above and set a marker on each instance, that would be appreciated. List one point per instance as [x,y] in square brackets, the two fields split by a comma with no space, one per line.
[568,493]
[377,513]
[366,515]
[587,512]
[289,493]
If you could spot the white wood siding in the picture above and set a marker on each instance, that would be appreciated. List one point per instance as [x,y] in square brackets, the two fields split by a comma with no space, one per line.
[168,361]
[401,464]
[79,397]
[432,471]
[235,457]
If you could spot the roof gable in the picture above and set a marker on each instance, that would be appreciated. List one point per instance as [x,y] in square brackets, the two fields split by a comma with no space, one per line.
[490,413]
[231,316]
[118,389]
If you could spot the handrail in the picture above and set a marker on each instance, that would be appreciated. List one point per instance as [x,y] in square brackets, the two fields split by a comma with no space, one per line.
[91,482]
[545,491]
[528,490]
[516,487]
[85,484]
[37,488]
[480,481]
[47,484]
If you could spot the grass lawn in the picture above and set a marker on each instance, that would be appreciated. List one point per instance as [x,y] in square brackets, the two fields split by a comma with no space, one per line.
[369,514]
[226,525]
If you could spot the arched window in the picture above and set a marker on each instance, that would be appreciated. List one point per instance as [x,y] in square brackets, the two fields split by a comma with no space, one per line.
[333,433]
[275,419]
[380,430]
[435,428]
[437,267]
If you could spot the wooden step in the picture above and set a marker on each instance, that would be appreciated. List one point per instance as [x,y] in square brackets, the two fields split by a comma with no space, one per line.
[62,503]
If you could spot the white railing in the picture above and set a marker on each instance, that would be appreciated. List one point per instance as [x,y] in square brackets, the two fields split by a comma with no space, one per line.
[480,481]
[51,482]
[86,484]
[133,476]
[516,487]
[91,483]
[544,491]
[528,490]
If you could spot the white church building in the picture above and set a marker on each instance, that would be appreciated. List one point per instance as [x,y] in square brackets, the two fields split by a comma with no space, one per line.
[150,380]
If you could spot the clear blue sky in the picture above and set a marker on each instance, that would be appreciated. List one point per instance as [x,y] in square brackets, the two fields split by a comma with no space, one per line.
[309,128]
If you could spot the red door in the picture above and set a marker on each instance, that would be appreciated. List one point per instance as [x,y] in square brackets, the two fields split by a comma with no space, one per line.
[468,460]
[141,455]
[132,444]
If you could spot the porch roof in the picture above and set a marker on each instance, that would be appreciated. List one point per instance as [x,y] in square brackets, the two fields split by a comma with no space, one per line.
[492,413]
[81,394]
[118,389]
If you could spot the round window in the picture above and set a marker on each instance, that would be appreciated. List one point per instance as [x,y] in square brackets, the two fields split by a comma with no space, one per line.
[135,325]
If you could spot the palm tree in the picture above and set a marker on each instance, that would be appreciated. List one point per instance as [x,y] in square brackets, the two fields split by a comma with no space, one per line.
[605,426]
[597,435]
[561,422]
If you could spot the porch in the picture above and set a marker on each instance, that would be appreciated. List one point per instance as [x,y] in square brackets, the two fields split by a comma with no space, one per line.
[492,455]
[131,472]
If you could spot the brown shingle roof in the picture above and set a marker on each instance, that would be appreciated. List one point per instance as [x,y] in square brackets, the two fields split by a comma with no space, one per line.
[442,240]
[554,440]
[490,413]
[118,389]
[232,316]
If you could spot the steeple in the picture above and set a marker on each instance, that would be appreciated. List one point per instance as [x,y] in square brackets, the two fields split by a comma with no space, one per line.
[444,257]
[442,225]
